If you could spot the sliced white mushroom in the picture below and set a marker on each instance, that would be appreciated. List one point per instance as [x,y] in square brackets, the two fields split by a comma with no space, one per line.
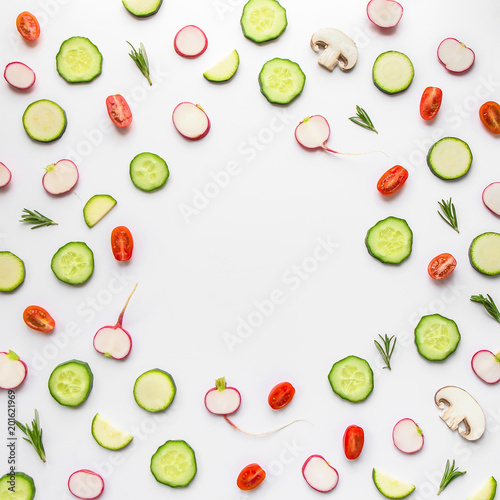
[337,47]
[459,407]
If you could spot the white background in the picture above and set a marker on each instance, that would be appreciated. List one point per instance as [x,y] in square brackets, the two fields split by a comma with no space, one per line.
[201,275]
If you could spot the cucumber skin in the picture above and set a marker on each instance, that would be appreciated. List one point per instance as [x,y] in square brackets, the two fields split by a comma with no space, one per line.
[263,91]
[53,138]
[132,169]
[174,387]
[23,276]
[374,474]
[385,91]
[181,441]
[253,39]
[92,263]
[471,260]
[417,343]
[429,164]
[341,395]
[91,383]
[62,72]
[149,14]
[22,475]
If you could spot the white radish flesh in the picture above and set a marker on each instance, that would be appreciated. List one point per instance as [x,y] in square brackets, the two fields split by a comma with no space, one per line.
[19,76]
[486,366]
[491,197]
[60,177]
[319,474]
[5,175]
[190,41]
[190,121]
[313,132]
[222,400]
[407,436]
[455,55]
[384,13]
[85,484]
[13,371]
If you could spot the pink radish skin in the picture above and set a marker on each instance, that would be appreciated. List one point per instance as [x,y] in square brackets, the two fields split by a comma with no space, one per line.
[19,76]
[407,436]
[13,370]
[190,41]
[491,197]
[60,177]
[455,55]
[222,400]
[191,121]
[5,175]
[85,484]
[486,366]
[384,13]
[113,341]
[319,474]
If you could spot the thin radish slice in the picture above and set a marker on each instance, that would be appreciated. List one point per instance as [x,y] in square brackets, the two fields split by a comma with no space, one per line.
[319,474]
[491,197]
[407,436]
[85,484]
[19,75]
[60,177]
[486,366]
[455,55]
[222,400]
[384,13]
[190,41]
[191,121]
[13,370]
[5,175]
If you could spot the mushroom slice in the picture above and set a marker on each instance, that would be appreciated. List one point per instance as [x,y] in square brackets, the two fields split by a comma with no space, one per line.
[338,49]
[459,407]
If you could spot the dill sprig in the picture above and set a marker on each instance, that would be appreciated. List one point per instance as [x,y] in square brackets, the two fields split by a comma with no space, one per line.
[141,60]
[389,343]
[362,119]
[35,217]
[488,304]
[34,435]
[449,214]
[450,473]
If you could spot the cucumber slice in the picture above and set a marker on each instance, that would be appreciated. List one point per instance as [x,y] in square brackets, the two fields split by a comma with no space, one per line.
[390,486]
[484,253]
[12,271]
[281,80]
[351,378]
[70,383]
[44,121]
[392,72]
[78,60]
[436,337]
[154,390]
[263,20]
[142,8]
[108,435]
[390,240]
[225,69]
[97,207]
[73,263]
[486,491]
[449,158]
[174,464]
[148,171]
[17,486]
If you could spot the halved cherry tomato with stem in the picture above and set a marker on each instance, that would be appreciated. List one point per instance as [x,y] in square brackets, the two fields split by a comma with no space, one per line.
[392,180]
[250,477]
[122,243]
[441,266]
[281,395]
[489,113]
[119,110]
[354,439]
[430,102]
[28,26]
[38,319]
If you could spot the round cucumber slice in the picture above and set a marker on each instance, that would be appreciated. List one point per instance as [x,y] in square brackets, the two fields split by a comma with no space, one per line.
[108,435]
[12,271]
[154,390]
[263,20]
[225,69]
[70,383]
[484,253]
[390,240]
[281,80]
[486,491]
[392,72]
[78,60]
[351,378]
[436,337]
[174,464]
[449,158]
[17,486]
[390,486]
[73,263]
[44,121]
[142,8]
[148,171]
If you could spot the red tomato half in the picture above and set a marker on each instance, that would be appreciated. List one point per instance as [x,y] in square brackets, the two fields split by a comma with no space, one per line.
[281,395]
[122,243]
[441,266]
[430,102]
[354,439]
[119,110]
[489,113]
[38,319]
[392,181]
[27,25]
[250,477]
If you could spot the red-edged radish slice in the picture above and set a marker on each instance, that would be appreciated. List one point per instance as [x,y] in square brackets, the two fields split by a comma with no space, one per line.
[60,177]
[5,175]
[319,474]
[85,484]
[486,366]
[190,41]
[407,436]
[384,13]
[13,370]
[222,400]
[19,76]
[455,55]
[191,121]
[491,197]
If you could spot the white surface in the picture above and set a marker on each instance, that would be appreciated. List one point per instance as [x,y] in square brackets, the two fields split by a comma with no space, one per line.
[288,227]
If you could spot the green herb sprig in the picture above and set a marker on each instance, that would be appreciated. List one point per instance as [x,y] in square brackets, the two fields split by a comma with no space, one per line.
[35,217]
[449,214]
[488,304]
[450,473]
[141,60]
[389,343]
[34,435]
[362,119]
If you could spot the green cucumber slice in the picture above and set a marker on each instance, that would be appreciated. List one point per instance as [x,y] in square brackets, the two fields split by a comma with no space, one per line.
[73,263]
[17,486]
[390,486]
[449,158]
[351,378]
[392,72]
[97,207]
[12,271]
[486,491]
[154,390]
[484,253]
[281,80]
[148,171]
[142,8]
[70,383]
[108,435]
[78,60]
[44,121]
[390,240]
[436,337]
[174,464]
[263,20]
[225,69]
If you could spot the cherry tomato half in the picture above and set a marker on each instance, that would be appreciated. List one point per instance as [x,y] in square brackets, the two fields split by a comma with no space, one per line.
[281,395]
[392,180]
[250,477]
[38,319]
[430,102]
[27,25]
[119,110]
[489,113]
[122,243]
[354,439]
[441,266]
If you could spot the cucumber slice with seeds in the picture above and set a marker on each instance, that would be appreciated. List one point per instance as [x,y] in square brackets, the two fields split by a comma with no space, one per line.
[97,207]
[109,435]
[78,60]
[148,171]
[12,271]
[17,486]
[392,72]
[449,158]
[73,263]
[70,383]
[436,337]
[142,8]
[174,464]
[351,378]
[154,390]
[281,80]
[225,69]
[390,486]
[44,121]
[390,240]
[484,253]
[263,20]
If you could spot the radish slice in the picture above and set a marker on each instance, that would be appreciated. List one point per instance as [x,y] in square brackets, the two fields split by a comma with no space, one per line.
[19,76]
[407,436]
[85,484]
[491,197]
[222,400]
[319,474]
[455,55]
[60,177]
[5,175]
[191,121]
[486,366]
[13,371]
[384,13]
[190,41]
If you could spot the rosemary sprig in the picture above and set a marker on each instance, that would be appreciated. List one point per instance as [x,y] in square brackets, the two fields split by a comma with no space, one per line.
[141,60]
[488,304]
[34,435]
[449,214]
[35,217]
[389,343]
[362,119]
[450,473]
